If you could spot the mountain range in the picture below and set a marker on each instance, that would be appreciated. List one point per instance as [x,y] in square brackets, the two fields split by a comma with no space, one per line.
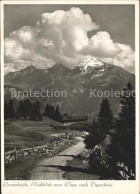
[90,75]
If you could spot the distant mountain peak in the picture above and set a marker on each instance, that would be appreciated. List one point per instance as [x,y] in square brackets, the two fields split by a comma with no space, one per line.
[98,75]
[58,65]
[30,67]
[90,63]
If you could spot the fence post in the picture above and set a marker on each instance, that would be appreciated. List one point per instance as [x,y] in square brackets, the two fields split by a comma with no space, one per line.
[15,154]
[33,150]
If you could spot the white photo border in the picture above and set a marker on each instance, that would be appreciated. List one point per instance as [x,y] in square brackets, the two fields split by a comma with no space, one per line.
[118,186]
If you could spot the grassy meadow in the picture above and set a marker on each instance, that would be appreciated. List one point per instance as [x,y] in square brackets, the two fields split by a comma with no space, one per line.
[25,133]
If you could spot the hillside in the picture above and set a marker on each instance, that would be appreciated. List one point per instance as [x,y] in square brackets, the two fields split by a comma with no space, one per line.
[91,74]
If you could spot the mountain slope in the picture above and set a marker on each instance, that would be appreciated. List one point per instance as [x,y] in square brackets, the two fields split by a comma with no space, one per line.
[91,74]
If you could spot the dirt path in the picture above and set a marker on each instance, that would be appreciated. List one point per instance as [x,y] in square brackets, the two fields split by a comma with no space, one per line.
[50,168]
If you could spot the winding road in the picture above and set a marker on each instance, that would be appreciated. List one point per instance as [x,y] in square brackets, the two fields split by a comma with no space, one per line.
[51,168]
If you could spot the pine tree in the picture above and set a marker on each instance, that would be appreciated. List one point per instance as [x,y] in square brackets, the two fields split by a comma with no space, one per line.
[28,107]
[46,113]
[21,104]
[52,112]
[33,112]
[37,110]
[126,126]
[19,110]
[5,110]
[39,117]
[105,117]
[11,111]
[127,114]
[24,109]
[57,114]
[122,147]
[94,136]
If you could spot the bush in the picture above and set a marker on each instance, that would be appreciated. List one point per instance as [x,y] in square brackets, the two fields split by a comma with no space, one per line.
[95,163]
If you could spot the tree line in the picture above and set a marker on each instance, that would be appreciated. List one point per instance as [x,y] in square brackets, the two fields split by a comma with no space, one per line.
[25,109]
[53,113]
[122,146]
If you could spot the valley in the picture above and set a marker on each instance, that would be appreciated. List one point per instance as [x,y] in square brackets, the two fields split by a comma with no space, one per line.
[91,74]
[43,146]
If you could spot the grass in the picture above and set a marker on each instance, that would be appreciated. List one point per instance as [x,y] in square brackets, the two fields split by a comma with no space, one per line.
[26,133]
[82,126]
[20,169]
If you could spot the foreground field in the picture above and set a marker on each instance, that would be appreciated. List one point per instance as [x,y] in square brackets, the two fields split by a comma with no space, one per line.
[22,168]
[65,162]
[25,133]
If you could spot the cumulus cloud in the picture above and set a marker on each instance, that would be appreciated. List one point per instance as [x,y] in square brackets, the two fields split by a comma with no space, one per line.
[61,36]
[125,58]
[101,45]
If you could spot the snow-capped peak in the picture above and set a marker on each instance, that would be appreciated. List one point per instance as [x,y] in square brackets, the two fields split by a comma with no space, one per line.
[90,62]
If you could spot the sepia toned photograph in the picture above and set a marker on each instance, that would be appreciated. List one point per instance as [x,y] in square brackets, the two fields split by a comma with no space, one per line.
[69,92]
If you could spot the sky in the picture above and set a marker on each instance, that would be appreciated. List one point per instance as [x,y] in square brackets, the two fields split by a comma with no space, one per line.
[43,35]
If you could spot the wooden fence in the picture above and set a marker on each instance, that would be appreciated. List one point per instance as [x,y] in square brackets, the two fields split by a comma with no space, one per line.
[47,149]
